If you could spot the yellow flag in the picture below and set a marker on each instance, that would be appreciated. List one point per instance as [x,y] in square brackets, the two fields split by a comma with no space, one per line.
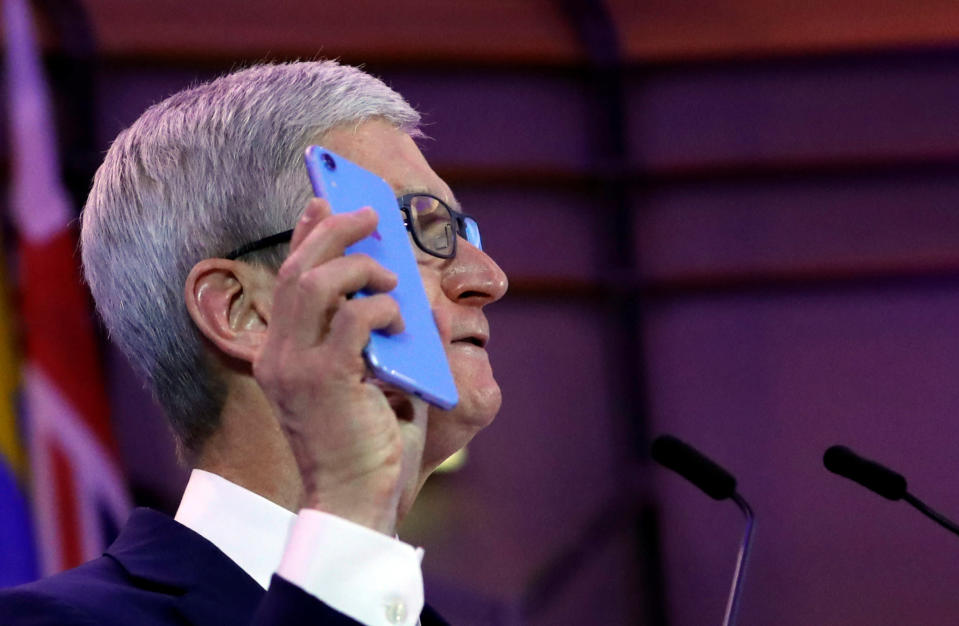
[10,444]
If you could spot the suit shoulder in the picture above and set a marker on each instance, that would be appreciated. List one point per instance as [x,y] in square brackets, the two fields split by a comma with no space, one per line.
[83,595]
[33,605]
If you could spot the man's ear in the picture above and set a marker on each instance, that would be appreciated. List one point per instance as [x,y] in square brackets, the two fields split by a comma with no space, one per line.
[230,303]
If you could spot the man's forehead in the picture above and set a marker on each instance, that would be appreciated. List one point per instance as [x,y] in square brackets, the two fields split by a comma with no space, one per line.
[391,154]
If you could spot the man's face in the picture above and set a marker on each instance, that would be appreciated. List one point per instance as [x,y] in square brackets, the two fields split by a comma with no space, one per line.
[458,288]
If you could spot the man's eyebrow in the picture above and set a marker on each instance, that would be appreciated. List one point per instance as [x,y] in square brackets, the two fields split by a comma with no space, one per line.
[453,202]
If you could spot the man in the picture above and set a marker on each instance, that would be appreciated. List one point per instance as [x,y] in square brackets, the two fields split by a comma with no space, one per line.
[255,352]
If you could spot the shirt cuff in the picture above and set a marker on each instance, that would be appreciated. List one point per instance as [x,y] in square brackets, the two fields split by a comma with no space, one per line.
[366,575]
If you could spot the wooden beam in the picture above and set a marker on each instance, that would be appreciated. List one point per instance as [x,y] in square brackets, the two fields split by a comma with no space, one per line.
[654,30]
[509,31]
[372,30]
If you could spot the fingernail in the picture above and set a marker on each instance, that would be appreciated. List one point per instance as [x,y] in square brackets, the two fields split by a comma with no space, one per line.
[311,211]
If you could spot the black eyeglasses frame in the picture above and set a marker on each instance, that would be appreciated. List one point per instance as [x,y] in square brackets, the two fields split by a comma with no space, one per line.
[458,219]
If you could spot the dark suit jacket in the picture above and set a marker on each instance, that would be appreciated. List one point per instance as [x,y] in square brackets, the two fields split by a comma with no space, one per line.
[159,572]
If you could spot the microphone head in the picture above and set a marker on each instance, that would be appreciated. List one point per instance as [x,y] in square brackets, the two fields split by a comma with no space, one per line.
[686,461]
[871,475]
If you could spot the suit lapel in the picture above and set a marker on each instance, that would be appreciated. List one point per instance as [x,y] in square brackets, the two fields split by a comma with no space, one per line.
[165,556]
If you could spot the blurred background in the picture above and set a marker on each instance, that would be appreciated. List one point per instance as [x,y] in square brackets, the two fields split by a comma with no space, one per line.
[736,221]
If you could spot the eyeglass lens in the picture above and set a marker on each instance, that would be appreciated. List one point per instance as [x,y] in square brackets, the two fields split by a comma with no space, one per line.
[471,229]
[431,224]
[434,226]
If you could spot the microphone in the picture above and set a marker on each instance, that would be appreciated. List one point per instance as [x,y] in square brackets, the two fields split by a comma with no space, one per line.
[689,463]
[718,484]
[880,479]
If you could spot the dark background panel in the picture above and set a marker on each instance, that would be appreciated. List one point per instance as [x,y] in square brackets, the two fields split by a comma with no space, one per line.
[810,224]
[539,231]
[484,119]
[838,108]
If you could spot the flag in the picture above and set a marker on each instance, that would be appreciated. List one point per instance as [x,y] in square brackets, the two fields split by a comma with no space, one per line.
[77,491]
[18,563]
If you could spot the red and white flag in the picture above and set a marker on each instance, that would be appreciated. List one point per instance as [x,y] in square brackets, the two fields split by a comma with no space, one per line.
[78,493]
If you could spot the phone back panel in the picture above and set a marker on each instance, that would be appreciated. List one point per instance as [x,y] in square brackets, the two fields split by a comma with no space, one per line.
[415,359]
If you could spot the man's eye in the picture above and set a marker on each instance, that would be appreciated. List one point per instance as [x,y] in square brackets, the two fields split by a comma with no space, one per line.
[424,205]
[430,221]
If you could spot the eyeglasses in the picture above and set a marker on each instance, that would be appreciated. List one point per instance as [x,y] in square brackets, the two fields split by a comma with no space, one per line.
[435,227]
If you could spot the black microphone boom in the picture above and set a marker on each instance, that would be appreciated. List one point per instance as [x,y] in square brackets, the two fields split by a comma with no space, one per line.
[689,463]
[871,475]
[718,484]
[879,478]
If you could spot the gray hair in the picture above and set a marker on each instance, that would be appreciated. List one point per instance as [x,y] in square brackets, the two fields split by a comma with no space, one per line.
[197,175]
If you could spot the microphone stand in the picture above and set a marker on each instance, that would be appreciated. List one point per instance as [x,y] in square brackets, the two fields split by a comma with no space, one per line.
[718,484]
[732,604]
[931,513]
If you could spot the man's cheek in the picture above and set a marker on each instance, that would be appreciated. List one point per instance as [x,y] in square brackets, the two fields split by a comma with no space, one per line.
[445,328]
[435,296]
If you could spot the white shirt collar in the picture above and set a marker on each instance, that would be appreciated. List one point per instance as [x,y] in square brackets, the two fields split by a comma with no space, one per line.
[247,527]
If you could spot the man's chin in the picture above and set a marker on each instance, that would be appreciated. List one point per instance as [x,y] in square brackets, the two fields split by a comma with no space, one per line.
[449,431]
[477,408]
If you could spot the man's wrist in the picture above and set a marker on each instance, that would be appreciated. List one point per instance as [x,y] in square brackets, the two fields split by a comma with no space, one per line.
[371,503]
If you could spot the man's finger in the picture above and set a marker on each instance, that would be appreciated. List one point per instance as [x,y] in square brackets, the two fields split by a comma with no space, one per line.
[316,210]
[353,322]
[321,241]
[320,291]
[326,240]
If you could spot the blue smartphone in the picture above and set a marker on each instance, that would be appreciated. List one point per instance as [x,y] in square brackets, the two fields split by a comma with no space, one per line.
[413,360]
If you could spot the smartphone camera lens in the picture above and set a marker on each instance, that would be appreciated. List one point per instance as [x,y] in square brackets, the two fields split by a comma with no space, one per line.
[328,162]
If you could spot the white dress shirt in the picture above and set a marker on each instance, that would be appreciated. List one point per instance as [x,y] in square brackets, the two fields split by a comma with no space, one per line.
[372,578]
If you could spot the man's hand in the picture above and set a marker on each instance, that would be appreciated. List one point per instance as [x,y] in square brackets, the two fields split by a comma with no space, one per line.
[357,442]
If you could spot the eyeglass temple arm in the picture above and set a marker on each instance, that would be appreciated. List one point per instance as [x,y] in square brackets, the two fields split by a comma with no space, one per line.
[285,237]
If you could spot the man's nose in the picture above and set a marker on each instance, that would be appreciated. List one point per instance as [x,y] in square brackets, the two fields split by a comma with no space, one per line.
[473,277]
